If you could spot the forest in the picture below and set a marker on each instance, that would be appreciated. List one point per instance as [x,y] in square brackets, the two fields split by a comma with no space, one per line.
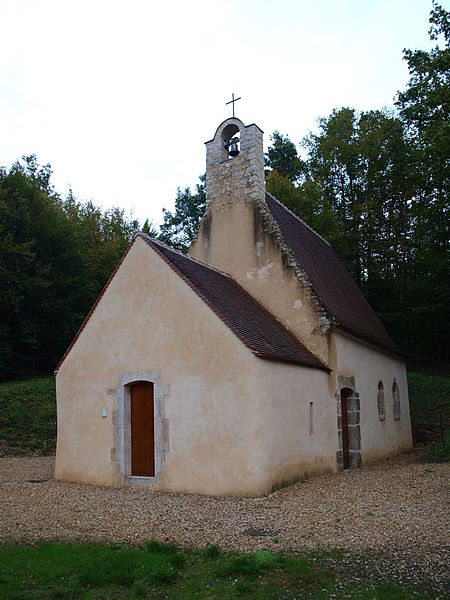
[374,184]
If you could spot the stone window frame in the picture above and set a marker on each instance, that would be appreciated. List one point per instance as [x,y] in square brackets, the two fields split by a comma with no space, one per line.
[354,429]
[396,401]
[381,405]
[121,451]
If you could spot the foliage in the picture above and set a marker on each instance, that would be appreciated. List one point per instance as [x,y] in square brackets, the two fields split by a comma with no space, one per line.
[104,237]
[55,257]
[41,267]
[28,416]
[376,185]
[149,228]
[81,571]
[429,395]
[283,158]
[425,108]
[439,453]
[180,228]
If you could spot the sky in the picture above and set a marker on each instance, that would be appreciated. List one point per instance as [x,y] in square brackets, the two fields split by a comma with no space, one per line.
[119,97]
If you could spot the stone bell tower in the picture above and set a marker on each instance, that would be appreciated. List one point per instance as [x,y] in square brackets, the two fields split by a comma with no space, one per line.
[234,185]
[234,164]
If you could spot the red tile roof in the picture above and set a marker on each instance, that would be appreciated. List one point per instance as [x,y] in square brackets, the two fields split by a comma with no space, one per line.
[330,281]
[258,329]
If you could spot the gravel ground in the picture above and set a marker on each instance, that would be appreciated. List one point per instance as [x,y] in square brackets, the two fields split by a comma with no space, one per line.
[391,518]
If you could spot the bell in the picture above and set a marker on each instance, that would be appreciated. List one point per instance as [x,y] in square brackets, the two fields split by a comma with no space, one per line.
[233,147]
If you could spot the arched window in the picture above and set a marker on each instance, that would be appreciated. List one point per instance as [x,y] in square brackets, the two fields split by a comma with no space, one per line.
[396,401]
[380,402]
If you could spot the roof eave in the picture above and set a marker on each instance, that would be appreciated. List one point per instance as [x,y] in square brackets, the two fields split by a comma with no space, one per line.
[320,366]
[368,342]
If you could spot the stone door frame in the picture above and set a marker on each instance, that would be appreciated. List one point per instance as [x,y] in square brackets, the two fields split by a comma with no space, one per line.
[121,451]
[354,430]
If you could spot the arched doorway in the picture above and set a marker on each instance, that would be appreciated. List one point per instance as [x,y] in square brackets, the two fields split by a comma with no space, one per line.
[142,429]
[345,393]
[348,424]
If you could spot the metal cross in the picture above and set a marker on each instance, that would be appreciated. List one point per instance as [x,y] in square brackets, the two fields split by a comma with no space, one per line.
[233,100]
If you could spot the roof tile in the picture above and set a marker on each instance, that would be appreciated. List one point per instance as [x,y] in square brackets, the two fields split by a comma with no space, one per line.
[330,280]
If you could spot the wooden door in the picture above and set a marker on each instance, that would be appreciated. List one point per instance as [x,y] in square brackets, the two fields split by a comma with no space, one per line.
[142,429]
[345,448]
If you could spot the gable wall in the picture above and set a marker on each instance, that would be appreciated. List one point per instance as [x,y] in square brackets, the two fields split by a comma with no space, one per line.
[149,320]
[232,238]
[368,366]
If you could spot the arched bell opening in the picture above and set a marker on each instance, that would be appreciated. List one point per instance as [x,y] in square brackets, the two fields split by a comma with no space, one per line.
[231,141]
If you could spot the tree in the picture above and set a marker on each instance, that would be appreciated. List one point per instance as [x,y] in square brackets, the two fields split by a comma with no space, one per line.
[55,257]
[42,270]
[425,108]
[104,237]
[283,158]
[356,191]
[150,229]
[180,228]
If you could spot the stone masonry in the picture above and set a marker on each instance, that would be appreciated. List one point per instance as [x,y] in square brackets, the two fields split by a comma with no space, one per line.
[238,179]
[353,415]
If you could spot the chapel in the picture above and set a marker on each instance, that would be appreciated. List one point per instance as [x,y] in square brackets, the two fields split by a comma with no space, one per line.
[251,362]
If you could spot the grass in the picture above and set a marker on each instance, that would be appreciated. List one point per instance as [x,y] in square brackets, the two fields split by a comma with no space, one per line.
[437,453]
[69,571]
[429,397]
[28,416]
[427,394]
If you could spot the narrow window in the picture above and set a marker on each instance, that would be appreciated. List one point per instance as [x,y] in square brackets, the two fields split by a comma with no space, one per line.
[380,402]
[311,418]
[396,401]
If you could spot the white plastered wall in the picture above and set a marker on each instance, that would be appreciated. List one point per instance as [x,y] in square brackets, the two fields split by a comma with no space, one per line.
[234,240]
[290,448]
[150,321]
[368,367]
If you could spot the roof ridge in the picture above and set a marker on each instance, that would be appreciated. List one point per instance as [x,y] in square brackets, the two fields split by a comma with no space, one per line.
[298,218]
[172,249]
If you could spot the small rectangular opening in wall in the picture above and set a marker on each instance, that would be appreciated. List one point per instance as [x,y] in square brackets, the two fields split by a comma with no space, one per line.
[311,418]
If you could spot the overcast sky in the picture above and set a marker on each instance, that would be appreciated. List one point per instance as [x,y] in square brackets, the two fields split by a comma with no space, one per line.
[119,97]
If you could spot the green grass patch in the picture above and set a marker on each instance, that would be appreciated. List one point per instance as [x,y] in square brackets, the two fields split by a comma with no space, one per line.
[428,395]
[163,571]
[429,398]
[28,416]
[439,453]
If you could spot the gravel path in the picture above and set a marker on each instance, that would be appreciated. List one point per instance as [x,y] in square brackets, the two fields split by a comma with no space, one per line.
[392,518]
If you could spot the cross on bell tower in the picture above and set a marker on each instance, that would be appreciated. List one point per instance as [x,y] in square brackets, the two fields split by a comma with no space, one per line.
[232,101]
